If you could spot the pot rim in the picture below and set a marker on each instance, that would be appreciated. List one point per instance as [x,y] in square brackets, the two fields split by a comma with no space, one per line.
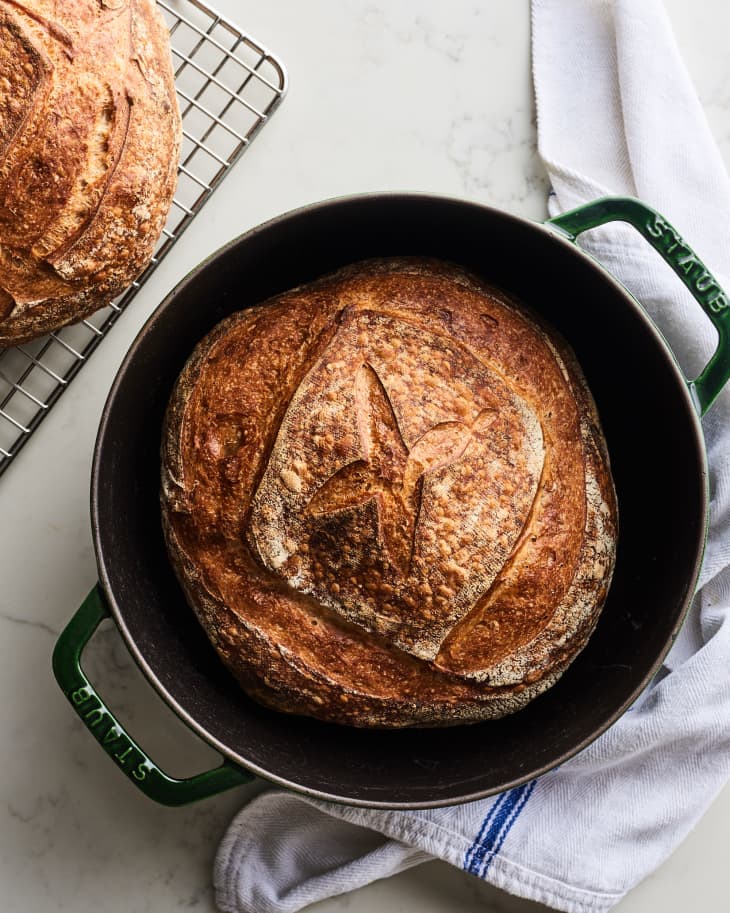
[550,234]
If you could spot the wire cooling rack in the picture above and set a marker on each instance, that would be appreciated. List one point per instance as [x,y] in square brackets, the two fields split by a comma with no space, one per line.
[228,86]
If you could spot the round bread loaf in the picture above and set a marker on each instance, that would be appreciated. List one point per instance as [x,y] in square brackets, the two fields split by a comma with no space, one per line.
[387,497]
[89,146]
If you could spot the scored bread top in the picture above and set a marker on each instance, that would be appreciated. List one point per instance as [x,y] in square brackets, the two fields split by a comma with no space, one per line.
[388,499]
[89,147]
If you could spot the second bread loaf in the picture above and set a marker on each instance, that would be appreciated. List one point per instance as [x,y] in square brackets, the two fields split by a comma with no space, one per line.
[89,146]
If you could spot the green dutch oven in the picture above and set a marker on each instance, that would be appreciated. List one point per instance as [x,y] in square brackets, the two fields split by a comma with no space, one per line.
[651,417]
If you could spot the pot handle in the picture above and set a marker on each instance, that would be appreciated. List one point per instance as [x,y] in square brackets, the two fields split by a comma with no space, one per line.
[705,289]
[107,730]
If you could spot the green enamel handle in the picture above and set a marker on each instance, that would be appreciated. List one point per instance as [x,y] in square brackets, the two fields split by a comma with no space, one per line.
[686,264]
[110,734]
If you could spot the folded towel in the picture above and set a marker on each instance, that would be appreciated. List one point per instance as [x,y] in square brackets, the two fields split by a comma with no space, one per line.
[616,115]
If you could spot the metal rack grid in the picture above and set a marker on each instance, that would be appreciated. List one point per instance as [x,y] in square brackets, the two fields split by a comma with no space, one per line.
[228,85]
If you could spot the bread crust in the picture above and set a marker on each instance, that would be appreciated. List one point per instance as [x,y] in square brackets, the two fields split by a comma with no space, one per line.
[90,136]
[388,498]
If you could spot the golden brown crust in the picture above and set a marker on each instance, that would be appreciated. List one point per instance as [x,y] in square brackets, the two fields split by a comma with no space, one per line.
[89,146]
[388,499]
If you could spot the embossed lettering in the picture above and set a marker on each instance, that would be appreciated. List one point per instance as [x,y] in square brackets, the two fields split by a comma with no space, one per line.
[94,717]
[78,697]
[140,771]
[686,263]
[682,258]
[704,282]
[112,735]
[121,757]
[655,228]
[718,302]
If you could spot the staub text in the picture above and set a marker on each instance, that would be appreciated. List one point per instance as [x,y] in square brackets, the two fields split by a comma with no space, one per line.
[681,257]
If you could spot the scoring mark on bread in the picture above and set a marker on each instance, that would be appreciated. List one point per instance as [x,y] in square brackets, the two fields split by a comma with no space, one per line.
[387,480]
[54,29]
[391,473]
[106,148]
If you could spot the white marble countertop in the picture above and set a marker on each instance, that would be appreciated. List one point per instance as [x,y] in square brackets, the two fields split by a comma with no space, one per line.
[384,95]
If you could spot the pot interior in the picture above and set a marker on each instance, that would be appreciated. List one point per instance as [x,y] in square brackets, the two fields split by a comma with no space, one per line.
[657,461]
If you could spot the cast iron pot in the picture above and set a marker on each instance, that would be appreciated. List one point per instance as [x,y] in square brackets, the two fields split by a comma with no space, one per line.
[650,414]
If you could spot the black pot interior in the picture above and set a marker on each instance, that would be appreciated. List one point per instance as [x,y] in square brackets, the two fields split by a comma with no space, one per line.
[657,460]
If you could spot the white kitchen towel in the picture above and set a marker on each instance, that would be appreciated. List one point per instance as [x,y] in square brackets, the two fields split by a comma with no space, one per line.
[616,115]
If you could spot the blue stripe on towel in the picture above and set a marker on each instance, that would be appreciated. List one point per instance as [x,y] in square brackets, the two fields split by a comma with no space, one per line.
[469,856]
[495,827]
[521,802]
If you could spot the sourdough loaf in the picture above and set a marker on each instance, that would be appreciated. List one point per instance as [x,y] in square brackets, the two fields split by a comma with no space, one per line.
[388,498]
[89,146]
